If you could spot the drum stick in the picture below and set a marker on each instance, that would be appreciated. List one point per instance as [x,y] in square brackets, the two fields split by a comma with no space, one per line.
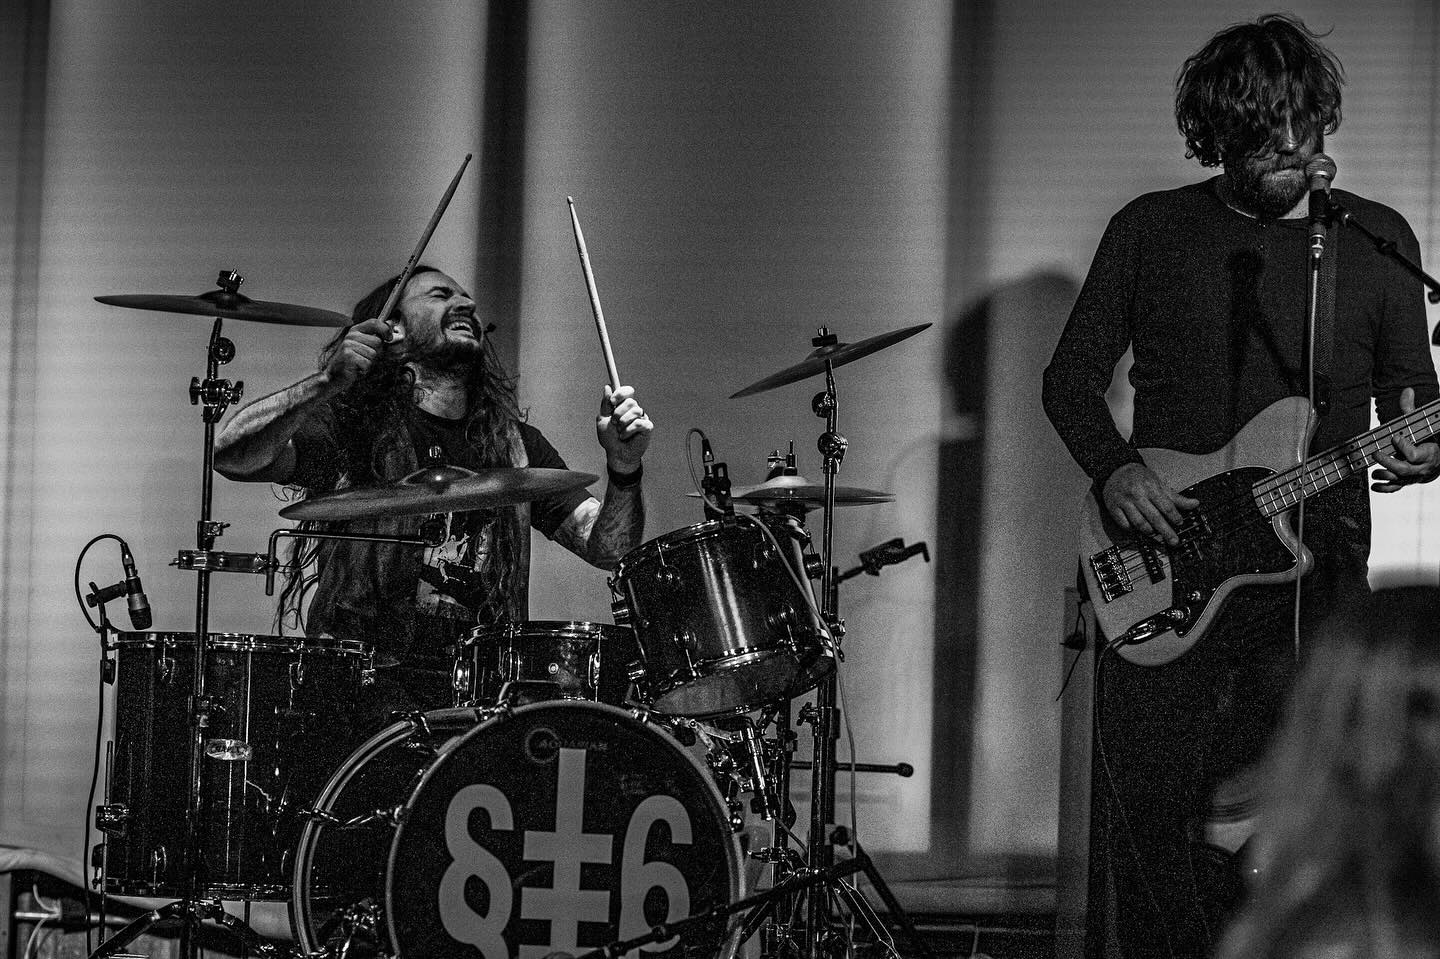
[424,240]
[594,298]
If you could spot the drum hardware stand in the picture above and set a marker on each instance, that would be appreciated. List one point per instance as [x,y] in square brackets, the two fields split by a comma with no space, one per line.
[825,714]
[215,395]
[762,902]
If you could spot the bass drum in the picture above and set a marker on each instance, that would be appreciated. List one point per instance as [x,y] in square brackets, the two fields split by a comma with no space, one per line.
[558,826]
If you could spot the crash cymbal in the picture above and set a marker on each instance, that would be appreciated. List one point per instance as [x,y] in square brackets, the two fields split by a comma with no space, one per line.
[230,305]
[440,489]
[836,354]
[799,490]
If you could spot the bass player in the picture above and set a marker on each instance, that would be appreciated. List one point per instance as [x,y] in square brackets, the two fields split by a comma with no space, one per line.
[1208,285]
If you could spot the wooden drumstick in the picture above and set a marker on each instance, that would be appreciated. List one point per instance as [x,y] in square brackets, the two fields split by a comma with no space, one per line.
[594,298]
[420,247]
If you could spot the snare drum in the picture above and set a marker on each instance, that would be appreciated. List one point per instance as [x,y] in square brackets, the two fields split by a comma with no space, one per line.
[533,661]
[720,618]
[558,826]
[278,729]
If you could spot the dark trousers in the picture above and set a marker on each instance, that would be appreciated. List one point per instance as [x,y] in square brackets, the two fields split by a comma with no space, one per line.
[1168,737]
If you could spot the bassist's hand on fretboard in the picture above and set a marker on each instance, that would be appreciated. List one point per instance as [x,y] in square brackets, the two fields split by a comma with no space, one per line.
[1405,462]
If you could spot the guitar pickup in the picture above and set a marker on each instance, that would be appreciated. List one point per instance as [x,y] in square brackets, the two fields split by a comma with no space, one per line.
[1154,562]
[1110,573]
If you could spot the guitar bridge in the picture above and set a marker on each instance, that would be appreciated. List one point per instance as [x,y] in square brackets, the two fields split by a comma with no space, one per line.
[1112,568]
[1110,573]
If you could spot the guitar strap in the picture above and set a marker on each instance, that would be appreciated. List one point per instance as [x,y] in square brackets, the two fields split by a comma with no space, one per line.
[1325,319]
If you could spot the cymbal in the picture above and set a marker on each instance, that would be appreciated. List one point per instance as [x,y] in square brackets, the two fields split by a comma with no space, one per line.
[836,354]
[440,489]
[799,490]
[230,305]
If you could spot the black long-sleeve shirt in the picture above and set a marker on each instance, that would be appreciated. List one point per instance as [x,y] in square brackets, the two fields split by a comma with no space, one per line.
[1214,303]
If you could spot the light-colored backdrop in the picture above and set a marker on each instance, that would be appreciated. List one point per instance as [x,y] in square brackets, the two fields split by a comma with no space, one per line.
[745,173]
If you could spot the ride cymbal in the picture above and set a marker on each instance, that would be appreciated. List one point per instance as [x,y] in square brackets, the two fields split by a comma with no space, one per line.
[234,306]
[835,354]
[440,489]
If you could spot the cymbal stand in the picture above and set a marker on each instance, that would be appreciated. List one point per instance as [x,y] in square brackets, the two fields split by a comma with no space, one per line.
[824,727]
[215,395]
[824,717]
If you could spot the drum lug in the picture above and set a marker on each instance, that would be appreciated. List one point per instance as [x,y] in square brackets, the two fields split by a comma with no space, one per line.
[620,609]
[460,676]
[297,673]
[112,818]
[782,620]
[737,815]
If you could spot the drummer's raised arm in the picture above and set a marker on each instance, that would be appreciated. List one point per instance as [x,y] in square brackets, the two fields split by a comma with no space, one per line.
[254,446]
[602,532]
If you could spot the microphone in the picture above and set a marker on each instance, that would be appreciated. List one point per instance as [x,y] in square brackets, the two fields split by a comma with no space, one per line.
[707,456]
[1320,171]
[134,592]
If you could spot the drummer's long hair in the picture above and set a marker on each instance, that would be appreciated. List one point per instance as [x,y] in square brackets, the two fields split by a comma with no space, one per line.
[388,390]
[386,396]
[1233,95]
[1349,835]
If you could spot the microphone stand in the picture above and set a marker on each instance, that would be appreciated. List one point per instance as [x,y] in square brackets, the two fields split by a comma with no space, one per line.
[1336,211]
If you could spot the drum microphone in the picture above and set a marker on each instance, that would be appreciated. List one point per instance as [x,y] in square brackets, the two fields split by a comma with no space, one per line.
[716,484]
[134,592]
[1321,173]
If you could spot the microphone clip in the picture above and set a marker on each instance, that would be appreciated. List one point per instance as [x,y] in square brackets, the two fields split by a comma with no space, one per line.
[716,487]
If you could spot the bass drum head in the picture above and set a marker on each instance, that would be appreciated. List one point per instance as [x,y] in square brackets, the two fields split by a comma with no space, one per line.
[562,826]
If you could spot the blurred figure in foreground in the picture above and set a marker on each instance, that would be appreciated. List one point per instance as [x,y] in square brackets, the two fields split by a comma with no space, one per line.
[1349,859]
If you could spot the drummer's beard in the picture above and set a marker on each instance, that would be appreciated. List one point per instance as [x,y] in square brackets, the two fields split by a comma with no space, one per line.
[451,356]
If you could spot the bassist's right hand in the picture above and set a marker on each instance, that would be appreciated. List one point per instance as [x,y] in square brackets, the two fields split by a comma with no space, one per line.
[1140,502]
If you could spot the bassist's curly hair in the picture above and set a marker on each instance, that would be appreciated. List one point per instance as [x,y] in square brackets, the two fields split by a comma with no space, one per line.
[1234,96]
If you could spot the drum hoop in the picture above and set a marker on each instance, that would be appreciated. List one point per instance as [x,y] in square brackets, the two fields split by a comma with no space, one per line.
[249,642]
[391,735]
[685,534]
[564,628]
[710,790]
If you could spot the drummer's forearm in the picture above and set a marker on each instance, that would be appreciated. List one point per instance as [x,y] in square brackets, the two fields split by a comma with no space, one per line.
[601,533]
[255,443]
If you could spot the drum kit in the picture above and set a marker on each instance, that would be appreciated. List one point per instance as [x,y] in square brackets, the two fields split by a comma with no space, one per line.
[582,791]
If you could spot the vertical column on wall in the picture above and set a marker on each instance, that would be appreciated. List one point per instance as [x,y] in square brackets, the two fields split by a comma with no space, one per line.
[960,455]
[24,41]
[502,173]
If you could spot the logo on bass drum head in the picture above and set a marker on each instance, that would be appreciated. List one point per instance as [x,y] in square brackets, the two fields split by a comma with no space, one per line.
[541,745]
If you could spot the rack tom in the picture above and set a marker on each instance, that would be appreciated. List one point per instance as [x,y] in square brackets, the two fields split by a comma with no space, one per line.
[724,618]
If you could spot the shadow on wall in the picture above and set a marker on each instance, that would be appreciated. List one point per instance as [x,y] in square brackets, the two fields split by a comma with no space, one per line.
[997,563]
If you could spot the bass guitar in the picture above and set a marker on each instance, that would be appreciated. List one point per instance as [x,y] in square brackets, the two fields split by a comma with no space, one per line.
[1155,602]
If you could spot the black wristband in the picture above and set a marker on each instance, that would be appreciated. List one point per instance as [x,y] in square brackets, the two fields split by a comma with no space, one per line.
[625,480]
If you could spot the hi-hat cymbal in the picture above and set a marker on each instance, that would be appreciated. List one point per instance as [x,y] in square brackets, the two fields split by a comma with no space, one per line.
[800,491]
[230,305]
[836,354]
[440,489]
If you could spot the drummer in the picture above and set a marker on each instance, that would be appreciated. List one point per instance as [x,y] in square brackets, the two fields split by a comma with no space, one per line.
[419,388]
